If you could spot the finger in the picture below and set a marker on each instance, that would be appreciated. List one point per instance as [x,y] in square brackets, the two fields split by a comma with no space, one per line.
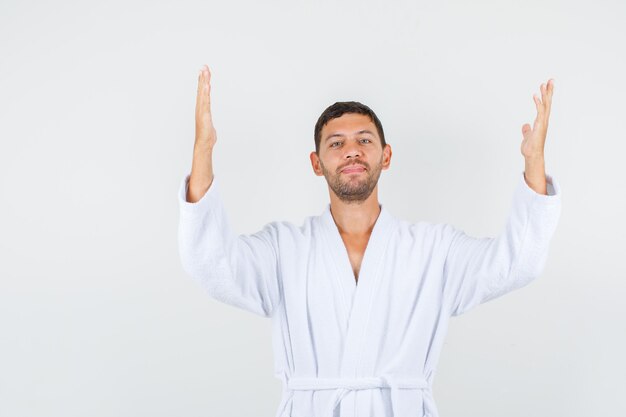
[207,88]
[538,105]
[538,122]
[204,75]
[201,77]
[201,84]
[543,93]
[203,106]
[204,87]
[550,87]
[549,94]
[200,80]
[544,100]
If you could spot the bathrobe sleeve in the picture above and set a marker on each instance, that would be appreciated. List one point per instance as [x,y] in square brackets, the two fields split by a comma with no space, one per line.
[477,270]
[240,270]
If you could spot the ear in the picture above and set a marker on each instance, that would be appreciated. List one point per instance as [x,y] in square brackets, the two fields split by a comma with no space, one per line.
[386,156]
[315,163]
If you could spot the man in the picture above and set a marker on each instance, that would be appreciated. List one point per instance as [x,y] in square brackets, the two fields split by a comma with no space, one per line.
[360,300]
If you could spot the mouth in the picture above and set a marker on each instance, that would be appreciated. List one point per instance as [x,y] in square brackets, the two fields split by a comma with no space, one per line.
[353,169]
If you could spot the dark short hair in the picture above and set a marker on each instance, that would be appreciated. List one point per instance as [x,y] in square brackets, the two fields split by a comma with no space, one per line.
[337,110]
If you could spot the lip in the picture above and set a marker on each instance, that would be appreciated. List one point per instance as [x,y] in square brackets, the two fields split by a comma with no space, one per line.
[353,168]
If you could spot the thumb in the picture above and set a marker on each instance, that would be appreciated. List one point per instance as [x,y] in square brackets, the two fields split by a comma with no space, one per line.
[525,128]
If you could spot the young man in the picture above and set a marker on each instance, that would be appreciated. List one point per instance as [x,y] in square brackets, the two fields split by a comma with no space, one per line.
[360,300]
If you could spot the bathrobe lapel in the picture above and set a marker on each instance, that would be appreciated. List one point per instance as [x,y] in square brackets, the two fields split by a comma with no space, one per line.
[357,297]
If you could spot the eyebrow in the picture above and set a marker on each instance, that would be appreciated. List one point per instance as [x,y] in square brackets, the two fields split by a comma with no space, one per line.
[341,134]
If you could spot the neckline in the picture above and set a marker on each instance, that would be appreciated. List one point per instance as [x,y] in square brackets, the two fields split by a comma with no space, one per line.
[372,253]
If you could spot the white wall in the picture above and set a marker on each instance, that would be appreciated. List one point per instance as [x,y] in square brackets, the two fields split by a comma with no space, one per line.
[97,104]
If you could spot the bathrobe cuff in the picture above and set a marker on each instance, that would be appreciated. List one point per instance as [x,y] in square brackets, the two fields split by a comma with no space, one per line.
[552,187]
[208,199]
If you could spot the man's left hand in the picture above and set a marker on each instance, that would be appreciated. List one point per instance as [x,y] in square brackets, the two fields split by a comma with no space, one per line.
[535,138]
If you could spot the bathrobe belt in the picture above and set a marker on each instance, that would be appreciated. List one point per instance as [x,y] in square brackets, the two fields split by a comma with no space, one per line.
[344,385]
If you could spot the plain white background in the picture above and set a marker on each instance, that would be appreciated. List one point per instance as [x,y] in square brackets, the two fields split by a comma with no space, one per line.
[97,126]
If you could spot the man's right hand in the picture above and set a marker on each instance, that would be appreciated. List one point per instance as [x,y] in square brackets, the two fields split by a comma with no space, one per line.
[201,176]
[205,131]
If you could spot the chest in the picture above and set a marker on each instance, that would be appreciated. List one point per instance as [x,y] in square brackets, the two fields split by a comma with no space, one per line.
[355,247]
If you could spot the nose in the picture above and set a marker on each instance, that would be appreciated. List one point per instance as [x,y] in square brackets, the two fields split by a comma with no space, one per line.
[352,151]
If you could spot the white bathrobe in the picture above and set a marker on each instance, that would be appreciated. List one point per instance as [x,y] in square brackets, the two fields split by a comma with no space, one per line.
[366,349]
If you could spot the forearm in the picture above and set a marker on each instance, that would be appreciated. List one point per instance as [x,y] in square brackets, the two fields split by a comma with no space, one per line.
[201,171]
[534,174]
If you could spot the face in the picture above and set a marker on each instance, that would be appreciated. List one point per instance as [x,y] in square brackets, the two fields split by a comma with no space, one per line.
[351,157]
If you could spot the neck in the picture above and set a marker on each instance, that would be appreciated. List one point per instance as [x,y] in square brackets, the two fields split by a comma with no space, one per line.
[355,218]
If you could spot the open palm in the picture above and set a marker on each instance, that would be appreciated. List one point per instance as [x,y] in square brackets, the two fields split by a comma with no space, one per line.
[205,130]
[535,138]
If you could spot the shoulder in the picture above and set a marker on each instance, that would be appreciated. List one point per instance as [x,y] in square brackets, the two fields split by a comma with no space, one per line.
[284,229]
[425,230]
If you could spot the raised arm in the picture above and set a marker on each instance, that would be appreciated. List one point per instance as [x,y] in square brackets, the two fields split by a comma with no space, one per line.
[477,270]
[240,270]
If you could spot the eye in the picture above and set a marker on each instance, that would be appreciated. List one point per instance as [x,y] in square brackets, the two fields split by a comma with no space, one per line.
[366,140]
[332,144]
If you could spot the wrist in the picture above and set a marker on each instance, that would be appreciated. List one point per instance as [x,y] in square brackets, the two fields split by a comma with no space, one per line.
[535,158]
[202,146]
[534,174]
